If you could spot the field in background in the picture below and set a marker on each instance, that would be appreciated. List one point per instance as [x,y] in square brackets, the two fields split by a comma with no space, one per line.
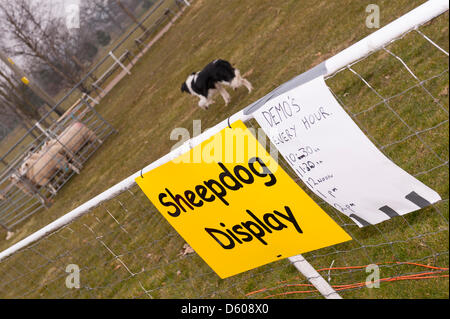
[271,43]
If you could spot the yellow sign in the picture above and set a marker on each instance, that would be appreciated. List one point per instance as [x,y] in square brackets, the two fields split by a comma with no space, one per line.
[235,206]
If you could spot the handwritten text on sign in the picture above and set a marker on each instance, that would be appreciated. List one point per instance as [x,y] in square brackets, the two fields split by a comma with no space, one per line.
[336,160]
[242,214]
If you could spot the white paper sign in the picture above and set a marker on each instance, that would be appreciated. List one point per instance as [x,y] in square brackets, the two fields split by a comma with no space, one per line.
[336,160]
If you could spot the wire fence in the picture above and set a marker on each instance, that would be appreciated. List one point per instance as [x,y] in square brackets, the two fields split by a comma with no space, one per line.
[124,248]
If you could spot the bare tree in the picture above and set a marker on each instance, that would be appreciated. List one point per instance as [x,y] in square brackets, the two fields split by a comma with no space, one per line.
[130,14]
[100,11]
[30,34]
[42,38]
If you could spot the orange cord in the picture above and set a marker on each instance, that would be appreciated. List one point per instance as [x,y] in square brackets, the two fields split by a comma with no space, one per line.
[418,276]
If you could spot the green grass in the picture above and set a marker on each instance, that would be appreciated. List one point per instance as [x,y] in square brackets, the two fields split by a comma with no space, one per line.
[272,41]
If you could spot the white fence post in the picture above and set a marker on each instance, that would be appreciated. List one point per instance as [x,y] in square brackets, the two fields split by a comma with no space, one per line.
[119,63]
[314,277]
[39,126]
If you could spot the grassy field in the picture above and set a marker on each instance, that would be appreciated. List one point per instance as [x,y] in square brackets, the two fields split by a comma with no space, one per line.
[271,42]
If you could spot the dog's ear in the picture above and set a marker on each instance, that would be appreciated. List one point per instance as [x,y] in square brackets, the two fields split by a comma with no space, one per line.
[184,88]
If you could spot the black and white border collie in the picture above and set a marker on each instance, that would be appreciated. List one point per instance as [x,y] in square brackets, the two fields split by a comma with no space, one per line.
[206,83]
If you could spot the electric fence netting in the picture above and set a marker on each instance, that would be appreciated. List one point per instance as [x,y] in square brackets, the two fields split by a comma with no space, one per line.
[397,94]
